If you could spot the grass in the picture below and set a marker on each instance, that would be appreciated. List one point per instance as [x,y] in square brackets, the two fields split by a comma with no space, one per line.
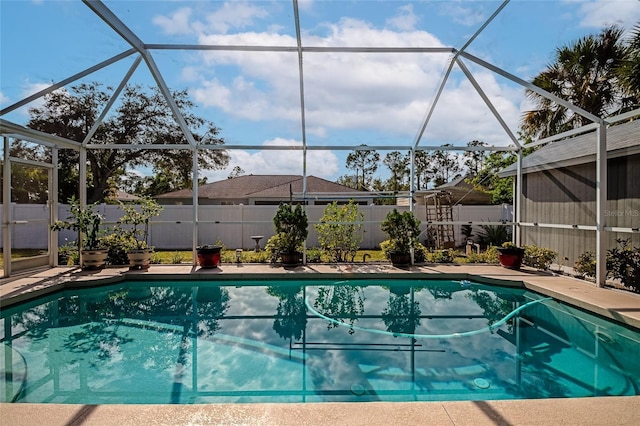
[172,257]
[250,256]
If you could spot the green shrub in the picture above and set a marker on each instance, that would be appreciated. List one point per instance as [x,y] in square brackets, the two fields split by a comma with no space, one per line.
[419,250]
[494,235]
[403,230]
[586,264]
[491,255]
[314,255]
[340,231]
[291,224]
[419,253]
[443,256]
[117,246]
[538,257]
[273,247]
[68,254]
[623,263]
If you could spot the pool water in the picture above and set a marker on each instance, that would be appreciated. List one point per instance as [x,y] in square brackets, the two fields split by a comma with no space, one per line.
[192,342]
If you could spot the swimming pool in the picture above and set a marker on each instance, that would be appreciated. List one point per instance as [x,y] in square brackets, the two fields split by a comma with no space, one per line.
[315,340]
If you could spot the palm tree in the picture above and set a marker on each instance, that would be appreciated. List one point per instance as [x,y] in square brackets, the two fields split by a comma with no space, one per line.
[629,70]
[584,73]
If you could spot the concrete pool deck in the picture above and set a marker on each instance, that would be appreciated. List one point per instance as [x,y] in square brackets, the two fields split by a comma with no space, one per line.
[620,305]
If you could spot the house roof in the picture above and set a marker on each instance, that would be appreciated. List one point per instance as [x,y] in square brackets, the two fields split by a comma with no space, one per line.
[124,196]
[263,186]
[462,192]
[623,139]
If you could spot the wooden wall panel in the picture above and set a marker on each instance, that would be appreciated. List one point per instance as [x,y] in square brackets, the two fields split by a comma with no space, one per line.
[568,196]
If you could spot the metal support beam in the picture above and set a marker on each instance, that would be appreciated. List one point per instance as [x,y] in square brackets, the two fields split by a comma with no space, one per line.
[6,208]
[488,103]
[130,37]
[66,81]
[7,128]
[296,17]
[112,100]
[601,205]
[517,205]
[532,87]
[485,25]
[53,208]
[83,194]
[425,123]
[308,49]
[194,203]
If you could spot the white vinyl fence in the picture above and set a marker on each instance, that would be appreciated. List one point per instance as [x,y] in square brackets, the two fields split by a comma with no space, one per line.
[232,225]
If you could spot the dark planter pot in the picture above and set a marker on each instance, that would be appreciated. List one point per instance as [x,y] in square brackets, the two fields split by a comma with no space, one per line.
[511,257]
[290,258]
[209,256]
[400,259]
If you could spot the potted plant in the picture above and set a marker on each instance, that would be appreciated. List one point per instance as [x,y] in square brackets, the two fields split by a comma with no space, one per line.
[403,230]
[291,226]
[87,222]
[137,214]
[510,255]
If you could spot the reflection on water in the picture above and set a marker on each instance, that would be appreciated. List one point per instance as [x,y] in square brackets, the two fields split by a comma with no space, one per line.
[195,342]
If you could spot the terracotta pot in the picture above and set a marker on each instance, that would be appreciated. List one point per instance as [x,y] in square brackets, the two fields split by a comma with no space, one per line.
[511,257]
[209,256]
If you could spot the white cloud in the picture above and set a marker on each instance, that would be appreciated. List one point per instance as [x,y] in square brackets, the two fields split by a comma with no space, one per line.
[384,96]
[3,99]
[601,13]
[277,162]
[231,15]
[29,89]
[468,15]
[343,91]
[176,24]
[405,20]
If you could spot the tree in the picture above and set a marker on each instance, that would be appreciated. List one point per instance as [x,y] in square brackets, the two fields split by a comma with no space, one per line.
[29,184]
[348,181]
[446,164]
[363,161]
[474,160]
[398,165]
[583,73]
[139,118]
[628,71]
[487,179]
[237,171]
[423,169]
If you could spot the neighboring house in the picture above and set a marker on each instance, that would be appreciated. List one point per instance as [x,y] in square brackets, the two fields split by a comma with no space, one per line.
[461,192]
[123,196]
[559,187]
[266,190]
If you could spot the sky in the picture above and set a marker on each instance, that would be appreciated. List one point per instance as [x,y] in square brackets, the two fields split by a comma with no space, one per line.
[350,98]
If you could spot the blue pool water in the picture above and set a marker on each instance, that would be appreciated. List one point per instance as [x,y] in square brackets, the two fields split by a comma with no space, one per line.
[192,342]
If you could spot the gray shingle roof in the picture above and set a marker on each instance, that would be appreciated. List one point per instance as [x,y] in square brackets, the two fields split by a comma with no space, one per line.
[262,186]
[621,140]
